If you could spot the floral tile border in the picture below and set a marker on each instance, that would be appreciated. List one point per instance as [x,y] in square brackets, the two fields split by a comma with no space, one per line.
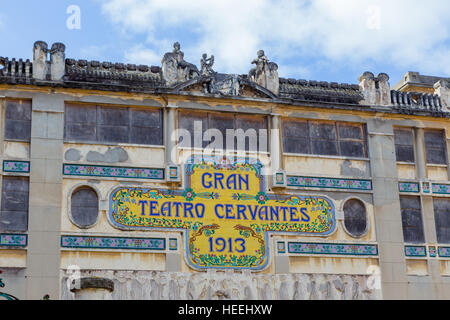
[113,172]
[413,187]
[415,251]
[329,183]
[444,252]
[438,188]
[86,242]
[16,166]
[333,249]
[13,240]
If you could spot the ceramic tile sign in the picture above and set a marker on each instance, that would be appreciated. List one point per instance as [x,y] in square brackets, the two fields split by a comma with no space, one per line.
[225,211]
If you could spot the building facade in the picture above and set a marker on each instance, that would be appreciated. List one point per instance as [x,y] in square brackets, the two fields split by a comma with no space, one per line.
[172,182]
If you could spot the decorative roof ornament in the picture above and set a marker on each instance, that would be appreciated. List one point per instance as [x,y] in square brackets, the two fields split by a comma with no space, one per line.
[175,69]
[206,65]
[265,73]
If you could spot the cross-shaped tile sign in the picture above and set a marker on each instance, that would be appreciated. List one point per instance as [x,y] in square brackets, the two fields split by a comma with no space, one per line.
[225,211]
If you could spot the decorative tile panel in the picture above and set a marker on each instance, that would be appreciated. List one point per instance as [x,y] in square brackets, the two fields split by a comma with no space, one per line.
[329,183]
[173,244]
[113,172]
[281,247]
[84,242]
[444,252]
[13,240]
[412,187]
[16,166]
[415,251]
[333,249]
[432,252]
[426,187]
[440,188]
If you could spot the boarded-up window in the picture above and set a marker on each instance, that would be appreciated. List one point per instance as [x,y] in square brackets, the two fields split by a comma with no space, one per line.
[435,146]
[404,145]
[245,134]
[84,207]
[18,120]
[355,218]
[113,125]
[14,207]
[324,138]
[442,219]
[412,220]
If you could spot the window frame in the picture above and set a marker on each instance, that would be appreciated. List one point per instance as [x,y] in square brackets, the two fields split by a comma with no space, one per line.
[206,117]
[129,109]
[422,218]
[367,229]
[6,100]
[22,177]
[413,137]
[69,204]
[445,151]
[338,140]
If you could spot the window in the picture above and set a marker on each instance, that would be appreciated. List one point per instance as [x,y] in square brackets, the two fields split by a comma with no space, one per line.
[14,208]
[113,124]
[84,207]
[251,138]
[412,220]
[355,219]
[324,138]
[18,120]
[442,219]
[435,147]
[404,145]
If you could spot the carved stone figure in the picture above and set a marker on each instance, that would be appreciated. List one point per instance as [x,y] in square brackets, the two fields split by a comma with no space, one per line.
[265,73]
[206,65]
[175,69]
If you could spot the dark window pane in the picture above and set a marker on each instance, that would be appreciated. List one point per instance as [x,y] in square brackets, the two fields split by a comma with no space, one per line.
[251,126]
[18,110]
[442,220]
[404,153]
[112,134]
[434,139]
[187,122]
[14,206]
[412,220]
[17,130]
[18,120]
[355,219]
[113,116]
[403,137]
[435,147]
[436,156]
[80,132]
[84,207]
[347,131]
[146,118]
[146,135]
[297,129]
[322,131]
[80,114]
[352,149]
[293,145]
[324,147]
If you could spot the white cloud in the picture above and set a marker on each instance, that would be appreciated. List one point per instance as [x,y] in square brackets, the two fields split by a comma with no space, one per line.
[141,55]
[345,32]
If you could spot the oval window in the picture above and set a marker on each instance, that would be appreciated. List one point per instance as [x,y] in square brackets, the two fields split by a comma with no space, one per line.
[355,219]
[84,207]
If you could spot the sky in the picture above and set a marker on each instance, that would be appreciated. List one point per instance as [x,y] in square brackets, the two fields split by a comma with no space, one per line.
[326,40]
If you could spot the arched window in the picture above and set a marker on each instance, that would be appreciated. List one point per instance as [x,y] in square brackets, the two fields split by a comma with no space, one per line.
[355,218]
[84,207]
